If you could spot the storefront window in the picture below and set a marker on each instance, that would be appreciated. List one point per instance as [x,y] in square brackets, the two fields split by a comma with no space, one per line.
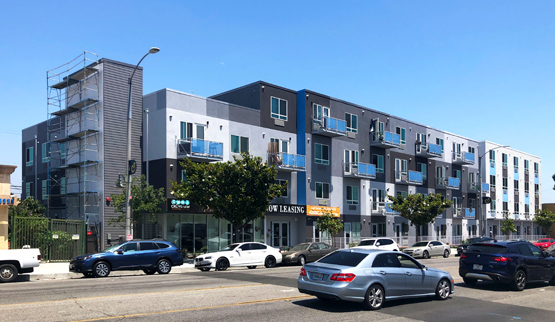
[213,233]
[200,233]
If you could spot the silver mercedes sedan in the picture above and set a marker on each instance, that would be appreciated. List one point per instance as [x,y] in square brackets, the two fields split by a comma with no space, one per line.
[371,277]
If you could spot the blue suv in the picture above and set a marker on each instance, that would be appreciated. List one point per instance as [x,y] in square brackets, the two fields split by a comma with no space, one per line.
[516,263]
[149,256]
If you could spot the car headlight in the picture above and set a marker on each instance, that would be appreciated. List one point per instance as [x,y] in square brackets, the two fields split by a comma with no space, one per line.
[90,256]
[417,250]
[208,257]
[293,255]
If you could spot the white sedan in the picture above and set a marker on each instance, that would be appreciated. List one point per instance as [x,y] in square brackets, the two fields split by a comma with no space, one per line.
[426,249]
[240,254]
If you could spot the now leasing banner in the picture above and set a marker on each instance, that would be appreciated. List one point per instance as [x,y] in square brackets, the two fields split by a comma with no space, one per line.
[322,210]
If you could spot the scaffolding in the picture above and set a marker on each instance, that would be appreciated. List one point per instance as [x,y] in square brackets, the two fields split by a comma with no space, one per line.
[73,126]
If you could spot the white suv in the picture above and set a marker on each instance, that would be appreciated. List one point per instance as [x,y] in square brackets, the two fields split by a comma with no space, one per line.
[378,243]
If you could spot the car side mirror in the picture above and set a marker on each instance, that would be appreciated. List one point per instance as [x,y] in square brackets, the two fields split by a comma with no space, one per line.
[423,267]
[238,250]
[377,244]
[119,251]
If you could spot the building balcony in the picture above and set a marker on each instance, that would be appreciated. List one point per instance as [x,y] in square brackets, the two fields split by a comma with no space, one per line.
[457,212]
[448,183]
[287,161]
[410,177]
[382,208]
[472,187]
[470,213]
[464,158]
[200,150]
[359,170]
[329,126]
[429,150]
[485,187]
[386,140]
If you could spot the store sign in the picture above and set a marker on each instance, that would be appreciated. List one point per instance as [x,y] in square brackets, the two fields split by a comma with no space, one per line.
[322,210]
[178,204]
[287,209]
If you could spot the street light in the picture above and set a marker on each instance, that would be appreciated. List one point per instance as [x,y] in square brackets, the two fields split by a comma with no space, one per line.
[152,50]
[483,220]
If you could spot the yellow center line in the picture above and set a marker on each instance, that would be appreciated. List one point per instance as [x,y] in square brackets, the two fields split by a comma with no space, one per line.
[199,308]
[135,294]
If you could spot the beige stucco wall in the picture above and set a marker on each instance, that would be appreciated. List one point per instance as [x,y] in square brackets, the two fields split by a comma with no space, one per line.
[5,173]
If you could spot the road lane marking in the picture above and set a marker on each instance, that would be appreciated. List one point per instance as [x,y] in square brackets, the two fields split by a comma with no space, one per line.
[289,298]
[135,294]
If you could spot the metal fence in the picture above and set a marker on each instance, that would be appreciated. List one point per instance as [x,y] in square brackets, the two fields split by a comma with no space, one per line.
[405,241]
[57,239]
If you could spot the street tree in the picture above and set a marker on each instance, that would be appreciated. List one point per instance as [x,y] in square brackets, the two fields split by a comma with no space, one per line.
[544,218]
[419,209]
[331,225]
[30,207]
[508,226]
[33,230]
[238,191]
[145,199]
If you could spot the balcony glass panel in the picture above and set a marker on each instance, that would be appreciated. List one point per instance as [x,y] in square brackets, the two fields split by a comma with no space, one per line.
[434,148]
[367,169]
[415,177]
[485,187]
[392,138]
[389,210]
[470,213]
[469,157]
[454,182]
[335,125]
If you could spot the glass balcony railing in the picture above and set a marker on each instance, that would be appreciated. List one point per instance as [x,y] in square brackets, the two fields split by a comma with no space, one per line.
[330,126]
[386,139]
[202,149]
[361,169]
[463,158]
[415,177]
[448,183]
[470,213]
[288,161]
[435,149]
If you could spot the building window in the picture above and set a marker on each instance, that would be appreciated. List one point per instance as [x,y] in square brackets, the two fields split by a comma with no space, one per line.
[492,181]
[471,150]
[321,154]
[492,205]
[27,189]
[422,168]
[402,134]
[536,167]
[401,170]
[45,152]
[183,176]
[279,108]
[505,206]
[62,151]
[63,186]
[457,174]
[239,144]
[378,162]
[527,208]
[283,183]
[516,185]
[517,209]
[537,189]
[504,159]
[505,183]
[526,165]
[526,187]
[352,195]
[378,198]
[322,190]
[319,112]
[186,131]
[282,145]
[352,122]
[515,159]
[29,156]
[492,155]
[440,143]
[45,189]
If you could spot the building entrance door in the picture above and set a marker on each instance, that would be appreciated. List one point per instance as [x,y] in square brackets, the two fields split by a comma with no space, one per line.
[280,233]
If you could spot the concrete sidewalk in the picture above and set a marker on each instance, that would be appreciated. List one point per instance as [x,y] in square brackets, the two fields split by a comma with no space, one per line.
[60,270]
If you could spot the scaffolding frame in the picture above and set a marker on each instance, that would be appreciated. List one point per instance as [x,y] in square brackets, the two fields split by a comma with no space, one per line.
[73,126]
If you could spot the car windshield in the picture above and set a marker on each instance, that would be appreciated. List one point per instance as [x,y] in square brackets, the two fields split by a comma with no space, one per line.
[230,247]
[545,240]
[112,248]
[299,247]
[344,258]
[420,244]
[368,242]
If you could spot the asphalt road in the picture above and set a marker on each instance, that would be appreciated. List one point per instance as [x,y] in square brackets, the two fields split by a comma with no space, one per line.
[261,294]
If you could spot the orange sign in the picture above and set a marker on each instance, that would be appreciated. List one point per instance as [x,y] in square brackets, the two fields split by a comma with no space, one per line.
[322,210]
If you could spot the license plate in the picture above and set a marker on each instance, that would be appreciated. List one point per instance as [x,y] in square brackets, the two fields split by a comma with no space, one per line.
[317,276]
[477,267]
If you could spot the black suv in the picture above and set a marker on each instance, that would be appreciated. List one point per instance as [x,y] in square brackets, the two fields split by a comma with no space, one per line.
[515,262]
[462,247]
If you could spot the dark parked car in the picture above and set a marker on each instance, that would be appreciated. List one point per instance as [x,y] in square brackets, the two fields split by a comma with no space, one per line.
[149,256]
[372,276]
[516,263]
[462,247]
[306,252]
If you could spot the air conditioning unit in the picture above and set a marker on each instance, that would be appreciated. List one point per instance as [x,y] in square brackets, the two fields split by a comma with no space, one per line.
[536,174]
[492,188]
[504,191]
[526,194]
[516,170]
[492,164]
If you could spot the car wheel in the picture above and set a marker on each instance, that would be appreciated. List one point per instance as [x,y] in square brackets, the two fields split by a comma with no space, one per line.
[164,266]
[8,273]
[149,271]
[446,254]
[251,267]
[222,264]
[374,297]
[470,281]
[443,289]
[101,269]
[270,262]
[425,255]
[302,260]
[519,282]
[205,269]
[88,274]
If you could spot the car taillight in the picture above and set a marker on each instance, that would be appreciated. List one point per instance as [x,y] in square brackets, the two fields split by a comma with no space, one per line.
[178,250]
[501,259]
[303,272]
[463,256]
[38,257]
[343,277]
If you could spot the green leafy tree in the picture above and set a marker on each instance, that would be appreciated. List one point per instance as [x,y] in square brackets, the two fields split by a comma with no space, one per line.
[508,226]
[31,231]
[544,218]
[419,209]
[30,207]
[145,200]
[238,192]
[331,225]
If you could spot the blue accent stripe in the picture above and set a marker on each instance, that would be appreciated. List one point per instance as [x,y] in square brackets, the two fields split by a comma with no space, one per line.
[301,145]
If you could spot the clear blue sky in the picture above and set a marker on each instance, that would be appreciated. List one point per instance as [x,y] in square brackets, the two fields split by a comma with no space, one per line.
[483,69]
